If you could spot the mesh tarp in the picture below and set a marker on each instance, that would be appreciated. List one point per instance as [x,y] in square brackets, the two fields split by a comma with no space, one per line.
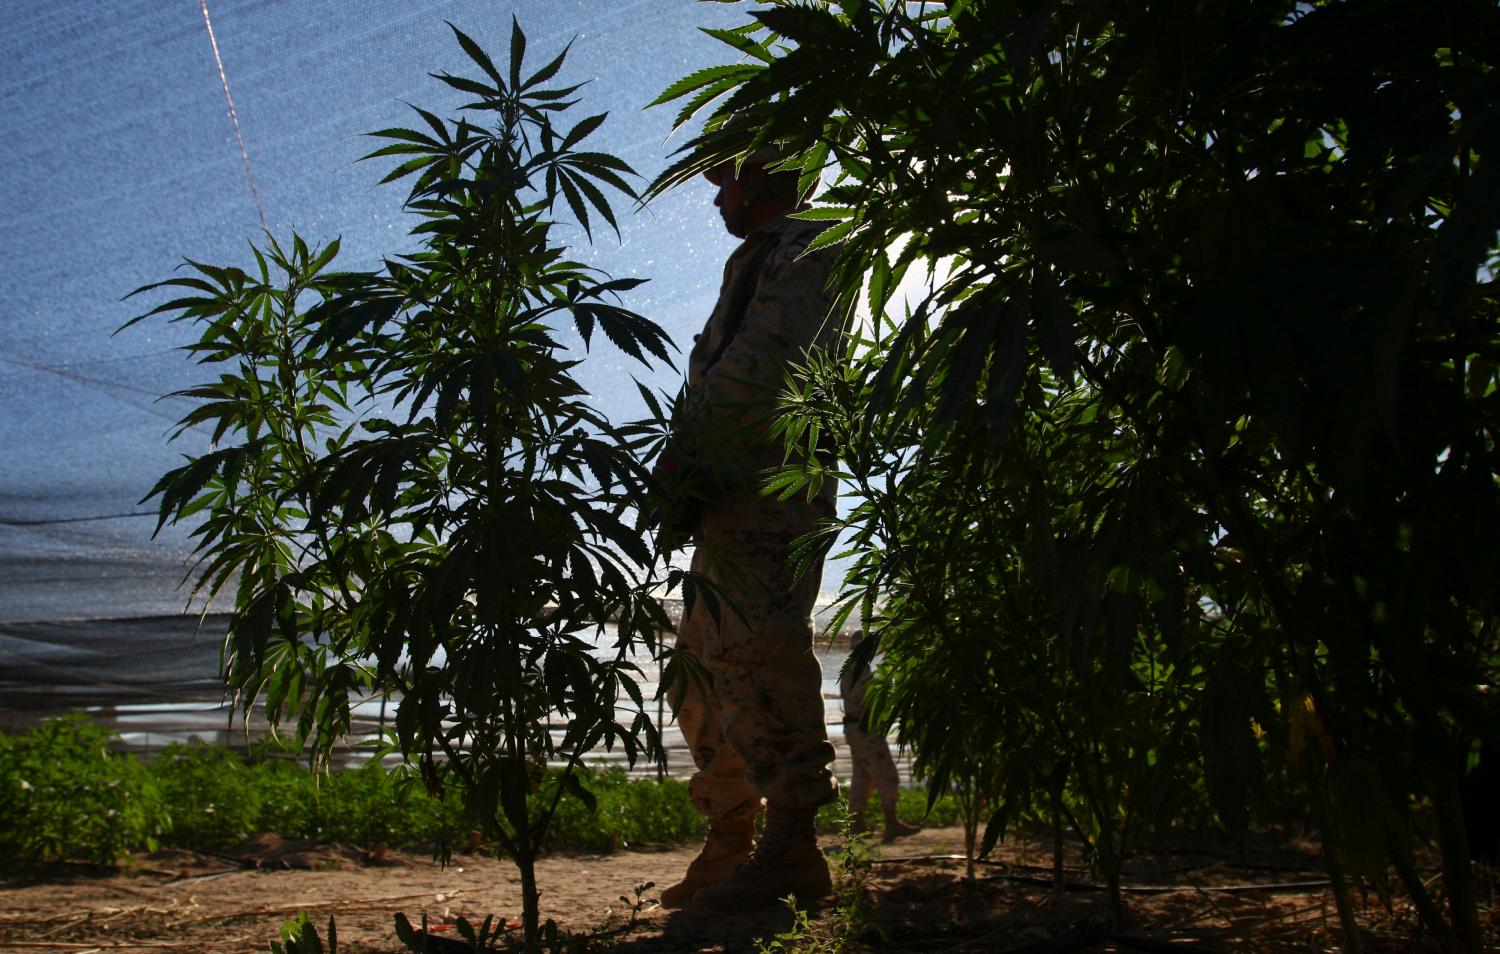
[119,159]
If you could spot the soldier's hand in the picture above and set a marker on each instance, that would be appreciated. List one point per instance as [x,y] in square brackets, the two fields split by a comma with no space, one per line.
[680,486]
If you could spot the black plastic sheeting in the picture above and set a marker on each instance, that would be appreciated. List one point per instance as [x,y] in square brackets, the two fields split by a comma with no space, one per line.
[53,665]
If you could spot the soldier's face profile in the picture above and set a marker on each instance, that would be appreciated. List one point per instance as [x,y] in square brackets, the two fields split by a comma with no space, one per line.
[752,198]
[732,201]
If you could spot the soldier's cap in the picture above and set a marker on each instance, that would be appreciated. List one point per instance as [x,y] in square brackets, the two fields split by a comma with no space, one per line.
[770,152]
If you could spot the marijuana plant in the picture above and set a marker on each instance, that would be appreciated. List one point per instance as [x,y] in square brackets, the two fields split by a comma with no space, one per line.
[1209,348]
[409,493]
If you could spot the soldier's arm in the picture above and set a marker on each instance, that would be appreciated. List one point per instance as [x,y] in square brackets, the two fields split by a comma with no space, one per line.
[782,321]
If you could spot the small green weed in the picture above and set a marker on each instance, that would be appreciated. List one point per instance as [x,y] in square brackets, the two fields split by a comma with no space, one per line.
[487,937]
[850,915]
[299,936]
[803,937]
[851,912]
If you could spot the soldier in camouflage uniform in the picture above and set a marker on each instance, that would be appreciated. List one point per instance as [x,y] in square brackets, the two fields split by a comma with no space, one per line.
[758,732]
[869,754]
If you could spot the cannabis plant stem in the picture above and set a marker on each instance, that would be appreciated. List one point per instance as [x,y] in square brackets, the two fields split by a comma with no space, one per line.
[1333,862]
[1458,872]
[1059,880]
[1401,859]
[517,809]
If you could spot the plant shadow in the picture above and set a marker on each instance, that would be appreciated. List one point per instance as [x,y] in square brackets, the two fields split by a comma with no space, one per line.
[688,930]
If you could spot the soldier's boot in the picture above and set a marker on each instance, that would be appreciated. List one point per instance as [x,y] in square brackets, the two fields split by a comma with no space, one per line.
[895,827]
[785,861]
[728,844]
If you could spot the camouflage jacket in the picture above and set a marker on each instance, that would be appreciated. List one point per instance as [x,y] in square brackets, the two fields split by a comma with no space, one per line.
[853,684]
[773,308]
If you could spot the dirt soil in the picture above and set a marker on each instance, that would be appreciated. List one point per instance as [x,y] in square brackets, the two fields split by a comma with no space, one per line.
[916,899]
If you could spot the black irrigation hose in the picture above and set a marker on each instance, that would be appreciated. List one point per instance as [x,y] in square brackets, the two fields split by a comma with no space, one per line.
[1085,938]
[1284,887]
[1287,887]
[913,858]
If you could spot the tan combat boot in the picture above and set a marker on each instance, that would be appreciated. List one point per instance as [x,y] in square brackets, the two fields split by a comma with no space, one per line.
[895,827]
[786,861]
[728,844]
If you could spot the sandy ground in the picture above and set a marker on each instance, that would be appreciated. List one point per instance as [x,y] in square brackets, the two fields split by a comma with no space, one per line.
[915,900]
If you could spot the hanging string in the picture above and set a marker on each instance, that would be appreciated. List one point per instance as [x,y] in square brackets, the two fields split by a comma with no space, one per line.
[54,521]
[233,117]
[110,389]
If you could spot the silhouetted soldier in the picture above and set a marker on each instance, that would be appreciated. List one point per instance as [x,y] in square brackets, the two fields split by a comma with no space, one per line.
[870,755]
[760,734]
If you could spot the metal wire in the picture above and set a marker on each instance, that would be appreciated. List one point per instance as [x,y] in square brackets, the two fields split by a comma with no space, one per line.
[233,116]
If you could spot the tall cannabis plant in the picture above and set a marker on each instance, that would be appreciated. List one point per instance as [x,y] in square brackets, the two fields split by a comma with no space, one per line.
[1212,354]
[409,493]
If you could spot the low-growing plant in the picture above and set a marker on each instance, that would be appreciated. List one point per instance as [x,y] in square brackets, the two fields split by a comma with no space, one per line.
[629,812]
[911,806]
[637,902]
[851,910]
[803,936]
[488,935]
[849,915]
[367,805]
[202,798]
[216,798]
[290,799]
[209,794]
[65,796]
[299,936]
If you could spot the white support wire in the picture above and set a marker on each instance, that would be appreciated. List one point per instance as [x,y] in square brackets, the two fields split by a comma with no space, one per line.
[233,116]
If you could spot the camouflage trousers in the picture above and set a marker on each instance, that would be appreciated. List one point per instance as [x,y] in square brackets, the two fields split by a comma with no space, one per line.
[758,731]
[873,764]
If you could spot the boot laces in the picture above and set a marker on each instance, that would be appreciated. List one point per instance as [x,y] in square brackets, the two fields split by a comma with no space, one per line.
[780,829]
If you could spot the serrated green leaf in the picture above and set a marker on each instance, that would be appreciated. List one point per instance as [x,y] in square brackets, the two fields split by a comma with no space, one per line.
[581,131]
[575,202]
[708,76]
[741,42]
[547,72]
[820,213]
[477,54]
[831,235]
[705,96]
